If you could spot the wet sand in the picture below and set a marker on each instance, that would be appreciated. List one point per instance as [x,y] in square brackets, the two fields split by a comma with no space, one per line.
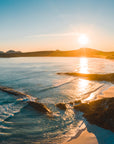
[107,93]
[84,138]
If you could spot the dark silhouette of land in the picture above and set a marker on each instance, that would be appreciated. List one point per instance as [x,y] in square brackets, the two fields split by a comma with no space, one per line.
[82,52]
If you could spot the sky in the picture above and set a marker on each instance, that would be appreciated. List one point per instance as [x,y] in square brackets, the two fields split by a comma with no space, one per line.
[37,25]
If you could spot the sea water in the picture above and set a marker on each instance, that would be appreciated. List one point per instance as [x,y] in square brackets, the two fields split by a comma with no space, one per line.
[37,76]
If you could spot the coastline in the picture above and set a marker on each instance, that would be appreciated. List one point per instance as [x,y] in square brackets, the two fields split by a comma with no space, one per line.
[107,93]
[90,53]
[86,137]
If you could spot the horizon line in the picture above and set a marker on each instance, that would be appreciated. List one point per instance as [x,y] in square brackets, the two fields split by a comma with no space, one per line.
[54,50]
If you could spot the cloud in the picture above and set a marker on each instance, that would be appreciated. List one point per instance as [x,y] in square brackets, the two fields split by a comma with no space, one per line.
[54,35]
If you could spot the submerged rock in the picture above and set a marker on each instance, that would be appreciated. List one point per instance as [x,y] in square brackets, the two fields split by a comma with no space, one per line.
[14,92]
[40,107]
[99,112]
[61,106]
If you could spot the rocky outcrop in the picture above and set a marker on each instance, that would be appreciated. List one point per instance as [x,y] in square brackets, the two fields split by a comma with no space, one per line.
[14,92]
[99,112]
[75,102]
[40,107]
[98,77]
[61,106]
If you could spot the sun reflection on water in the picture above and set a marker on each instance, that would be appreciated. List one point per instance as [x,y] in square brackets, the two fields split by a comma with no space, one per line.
[83,84]
[83,65]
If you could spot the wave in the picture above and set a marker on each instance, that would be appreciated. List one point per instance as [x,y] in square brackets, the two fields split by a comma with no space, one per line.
[98,77]
[40,107]
[58,85]
[9,110]
[33,102]
[75,133]
[92,91]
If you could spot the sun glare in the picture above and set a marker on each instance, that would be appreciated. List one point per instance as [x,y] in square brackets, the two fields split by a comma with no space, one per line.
[83,39]
[83,65]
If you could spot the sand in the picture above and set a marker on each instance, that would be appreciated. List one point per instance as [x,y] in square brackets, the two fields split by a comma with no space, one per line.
[86,137]
[107,93]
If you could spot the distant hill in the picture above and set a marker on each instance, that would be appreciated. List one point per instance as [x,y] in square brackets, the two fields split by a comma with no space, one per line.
[1,52]
[12,52]
[82,52]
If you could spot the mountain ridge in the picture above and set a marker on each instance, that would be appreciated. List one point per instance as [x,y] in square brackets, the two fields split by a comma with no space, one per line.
[82,52]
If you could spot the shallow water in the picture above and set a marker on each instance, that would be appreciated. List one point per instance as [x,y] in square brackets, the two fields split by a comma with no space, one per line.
[20,123]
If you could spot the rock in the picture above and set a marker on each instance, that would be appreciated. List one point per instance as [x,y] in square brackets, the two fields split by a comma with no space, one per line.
[14,92]
[61,106]
[40,107]
[98,77]
[71,103]
[99,112]
[75,102]
[82,107]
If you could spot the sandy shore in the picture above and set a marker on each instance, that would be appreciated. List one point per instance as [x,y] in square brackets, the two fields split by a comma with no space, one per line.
[108,93]
[86,137]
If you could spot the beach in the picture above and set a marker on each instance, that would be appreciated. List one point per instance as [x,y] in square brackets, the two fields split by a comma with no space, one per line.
[107,93]
[87,137]
[28,79]
[84,138]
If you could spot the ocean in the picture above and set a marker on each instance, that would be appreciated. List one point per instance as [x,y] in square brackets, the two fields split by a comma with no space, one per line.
[37,76]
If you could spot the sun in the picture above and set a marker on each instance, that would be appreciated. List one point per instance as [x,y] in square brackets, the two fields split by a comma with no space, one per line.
[83,39]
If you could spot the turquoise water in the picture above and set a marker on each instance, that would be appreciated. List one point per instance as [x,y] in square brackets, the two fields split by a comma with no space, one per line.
[21,124]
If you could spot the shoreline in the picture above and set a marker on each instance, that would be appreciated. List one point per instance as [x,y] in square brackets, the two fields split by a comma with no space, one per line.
[86,137]
[90,53]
